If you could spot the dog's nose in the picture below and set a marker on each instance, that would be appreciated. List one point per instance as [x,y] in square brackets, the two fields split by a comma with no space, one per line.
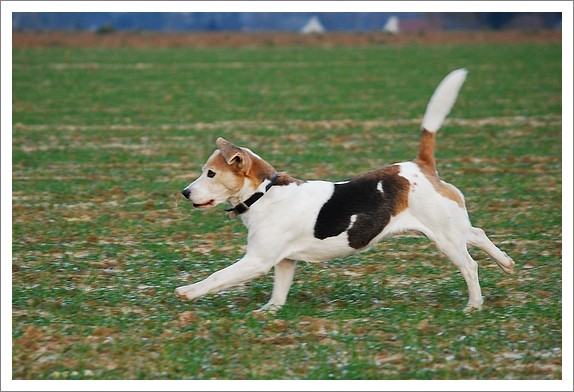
[186,193]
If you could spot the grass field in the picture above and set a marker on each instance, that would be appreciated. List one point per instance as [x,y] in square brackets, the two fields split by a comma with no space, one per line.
[105,138]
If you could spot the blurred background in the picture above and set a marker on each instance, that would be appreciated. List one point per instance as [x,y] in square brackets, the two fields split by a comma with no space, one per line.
[281,21]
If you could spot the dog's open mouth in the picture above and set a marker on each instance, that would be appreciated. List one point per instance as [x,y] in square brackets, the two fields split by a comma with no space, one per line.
[209,204]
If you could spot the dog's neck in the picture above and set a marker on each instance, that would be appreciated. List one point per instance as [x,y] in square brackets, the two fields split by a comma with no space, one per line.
[242,204]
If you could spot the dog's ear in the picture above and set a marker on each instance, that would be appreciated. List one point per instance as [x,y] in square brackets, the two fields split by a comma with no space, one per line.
[233,154]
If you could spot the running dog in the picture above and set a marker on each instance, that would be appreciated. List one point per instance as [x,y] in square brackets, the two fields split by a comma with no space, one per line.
[290,220]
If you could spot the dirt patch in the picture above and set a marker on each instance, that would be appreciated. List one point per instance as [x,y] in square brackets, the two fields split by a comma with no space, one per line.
[274,39]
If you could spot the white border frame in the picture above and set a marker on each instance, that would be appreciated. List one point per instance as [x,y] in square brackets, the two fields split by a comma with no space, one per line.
[8,7]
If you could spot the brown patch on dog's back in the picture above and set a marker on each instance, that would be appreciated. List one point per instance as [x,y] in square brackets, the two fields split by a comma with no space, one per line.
[402,186]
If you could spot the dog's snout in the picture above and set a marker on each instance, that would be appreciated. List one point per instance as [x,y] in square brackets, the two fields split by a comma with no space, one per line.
[186,193]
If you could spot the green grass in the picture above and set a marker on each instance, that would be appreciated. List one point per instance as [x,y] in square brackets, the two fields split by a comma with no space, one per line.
[104,139]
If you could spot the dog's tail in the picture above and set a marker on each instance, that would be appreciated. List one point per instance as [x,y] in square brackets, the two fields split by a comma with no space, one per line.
[437,109]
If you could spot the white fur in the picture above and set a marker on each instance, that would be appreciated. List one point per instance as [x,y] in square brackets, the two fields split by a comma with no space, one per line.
[443,99]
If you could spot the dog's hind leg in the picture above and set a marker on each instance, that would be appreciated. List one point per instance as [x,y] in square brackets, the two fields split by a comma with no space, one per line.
[244,270]
[477,237]
[457,253]
[284,272]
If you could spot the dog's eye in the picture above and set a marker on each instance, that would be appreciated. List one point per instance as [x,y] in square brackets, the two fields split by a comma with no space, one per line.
[210,173]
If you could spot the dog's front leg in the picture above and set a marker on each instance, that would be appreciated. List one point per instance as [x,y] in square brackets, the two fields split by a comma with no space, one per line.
[244,270]
[284,272]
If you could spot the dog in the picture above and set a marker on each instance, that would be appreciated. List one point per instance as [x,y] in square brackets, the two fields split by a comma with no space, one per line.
[290,220]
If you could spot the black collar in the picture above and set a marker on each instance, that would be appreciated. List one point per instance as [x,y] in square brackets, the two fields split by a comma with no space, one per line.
[244,206]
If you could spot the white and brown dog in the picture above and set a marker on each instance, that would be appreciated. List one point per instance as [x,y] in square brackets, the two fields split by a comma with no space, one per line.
[290,220]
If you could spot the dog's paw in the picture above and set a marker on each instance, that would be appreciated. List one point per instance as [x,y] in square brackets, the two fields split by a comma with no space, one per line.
[471,308]
[268,308]
[184,292]
[508,266]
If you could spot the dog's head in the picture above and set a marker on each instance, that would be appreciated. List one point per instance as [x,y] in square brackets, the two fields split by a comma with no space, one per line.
[231,174]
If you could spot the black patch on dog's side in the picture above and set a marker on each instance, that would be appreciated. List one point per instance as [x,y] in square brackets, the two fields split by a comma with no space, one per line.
[359,197]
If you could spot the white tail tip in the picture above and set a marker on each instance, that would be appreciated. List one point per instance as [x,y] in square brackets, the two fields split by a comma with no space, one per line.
[443,99]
